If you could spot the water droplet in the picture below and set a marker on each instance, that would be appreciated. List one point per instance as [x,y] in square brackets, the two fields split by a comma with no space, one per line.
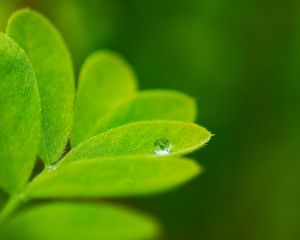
[162,147]
[51,168]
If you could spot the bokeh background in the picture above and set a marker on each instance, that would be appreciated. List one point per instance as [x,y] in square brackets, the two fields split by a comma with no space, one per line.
[241,61]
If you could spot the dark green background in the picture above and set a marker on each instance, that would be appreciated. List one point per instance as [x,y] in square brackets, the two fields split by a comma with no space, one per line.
[241,61]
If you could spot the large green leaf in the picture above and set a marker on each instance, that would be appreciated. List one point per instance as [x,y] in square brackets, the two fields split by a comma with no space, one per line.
[105,81]
[111,177]
[150,105]
[79,221]
[137,139]
[19,116]
[54,73]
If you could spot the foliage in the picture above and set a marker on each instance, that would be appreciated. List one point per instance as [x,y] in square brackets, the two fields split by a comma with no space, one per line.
[115,127]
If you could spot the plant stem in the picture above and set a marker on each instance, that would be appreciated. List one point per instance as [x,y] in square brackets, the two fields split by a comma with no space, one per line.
[12,204]
[16,200]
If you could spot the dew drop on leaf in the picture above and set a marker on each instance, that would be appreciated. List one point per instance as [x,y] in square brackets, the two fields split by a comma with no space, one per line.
[51,168]
[162,147]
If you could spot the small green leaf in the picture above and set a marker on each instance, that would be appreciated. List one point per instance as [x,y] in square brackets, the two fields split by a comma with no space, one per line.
[19,116]
[105,81]
[150,105]
[53,69]
[137,139]
[79,221]
[114,177]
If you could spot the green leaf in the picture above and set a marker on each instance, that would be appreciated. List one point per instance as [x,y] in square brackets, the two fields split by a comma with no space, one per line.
[19,116]
[52,65]
[105,81]
[137,139]
[79,221]
[3,199]
[114,177]
[150,105]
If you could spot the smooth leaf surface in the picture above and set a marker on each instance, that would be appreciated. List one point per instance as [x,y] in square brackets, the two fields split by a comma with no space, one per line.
[150,105]
[105,81]
[3,199]
[19,116]
[54,73]
[114,177]
[79,221]
[137,139]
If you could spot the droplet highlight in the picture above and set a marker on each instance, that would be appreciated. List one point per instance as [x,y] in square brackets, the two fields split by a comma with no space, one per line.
[162,147]
[51,168]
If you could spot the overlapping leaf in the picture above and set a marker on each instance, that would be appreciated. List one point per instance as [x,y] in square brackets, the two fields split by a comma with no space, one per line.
[52,65]
[113,177]
[122,162]
[105,81]
[150,105]
[19,116]
[137,139]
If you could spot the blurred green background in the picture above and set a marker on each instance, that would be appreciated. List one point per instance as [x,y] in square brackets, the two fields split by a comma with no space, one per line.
[241,61]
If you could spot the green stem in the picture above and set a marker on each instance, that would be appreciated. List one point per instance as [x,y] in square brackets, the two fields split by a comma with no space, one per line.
[16,200]
[12,204]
